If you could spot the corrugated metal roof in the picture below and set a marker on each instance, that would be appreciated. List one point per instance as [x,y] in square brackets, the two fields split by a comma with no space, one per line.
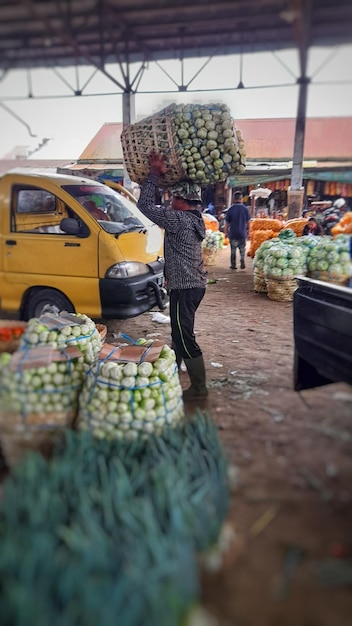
[46,33]
[325,138]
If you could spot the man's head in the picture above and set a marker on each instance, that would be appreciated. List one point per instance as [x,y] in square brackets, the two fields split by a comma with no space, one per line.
[186,196]
[238,196]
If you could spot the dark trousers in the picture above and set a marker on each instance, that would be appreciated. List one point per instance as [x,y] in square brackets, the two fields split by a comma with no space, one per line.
[183,306]
[241,245]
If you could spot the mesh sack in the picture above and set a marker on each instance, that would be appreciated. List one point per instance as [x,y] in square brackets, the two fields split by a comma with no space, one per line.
[38,402]
[209,256]
[127,400]
[330,277]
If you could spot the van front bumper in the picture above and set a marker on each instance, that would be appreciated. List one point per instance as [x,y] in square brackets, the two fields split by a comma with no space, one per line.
[128,297]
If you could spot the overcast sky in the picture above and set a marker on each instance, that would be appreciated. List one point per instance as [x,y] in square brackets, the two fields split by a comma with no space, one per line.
[71,122]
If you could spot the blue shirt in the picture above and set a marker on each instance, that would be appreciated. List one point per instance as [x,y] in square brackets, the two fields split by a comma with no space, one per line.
[237,218]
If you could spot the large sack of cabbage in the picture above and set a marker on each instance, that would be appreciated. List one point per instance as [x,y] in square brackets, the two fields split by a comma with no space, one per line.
[211,245]
[127,399]
[199,143]
[39,395]
[259,283]
[283,262]
[330,259]
[63,330]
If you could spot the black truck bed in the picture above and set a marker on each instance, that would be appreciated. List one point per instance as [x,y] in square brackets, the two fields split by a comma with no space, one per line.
[322,334]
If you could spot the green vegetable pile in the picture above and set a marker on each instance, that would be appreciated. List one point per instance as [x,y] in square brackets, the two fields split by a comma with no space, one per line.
[61,331]
[199,142]
[125,400]
[285,260]
[109,530]
[330,258]
[208,149]
[213,241]
[262,251]
[52,388]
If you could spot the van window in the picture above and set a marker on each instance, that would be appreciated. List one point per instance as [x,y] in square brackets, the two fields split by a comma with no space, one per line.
[35,201]
[107,207]
[36,211]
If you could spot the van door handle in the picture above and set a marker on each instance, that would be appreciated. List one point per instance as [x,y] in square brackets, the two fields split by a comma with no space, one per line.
[11,242]
[72,245]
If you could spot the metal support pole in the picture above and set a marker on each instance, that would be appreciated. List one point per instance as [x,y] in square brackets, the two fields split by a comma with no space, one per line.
[302,28]
[298,151]
[128,108]
[296,191]
[128,117]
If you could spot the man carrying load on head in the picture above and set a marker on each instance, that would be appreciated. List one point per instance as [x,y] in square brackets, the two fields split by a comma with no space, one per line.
[185,275]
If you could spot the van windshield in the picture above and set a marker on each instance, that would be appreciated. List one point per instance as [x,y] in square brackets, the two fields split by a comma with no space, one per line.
[115,214]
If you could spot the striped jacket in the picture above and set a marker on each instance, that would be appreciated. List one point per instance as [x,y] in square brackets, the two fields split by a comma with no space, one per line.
[184,233]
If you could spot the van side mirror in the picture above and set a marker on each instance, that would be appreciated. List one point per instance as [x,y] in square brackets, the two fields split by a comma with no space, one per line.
[72,226]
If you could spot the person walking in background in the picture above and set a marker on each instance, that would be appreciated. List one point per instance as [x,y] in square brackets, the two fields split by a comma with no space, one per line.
[184,271]
[237,228]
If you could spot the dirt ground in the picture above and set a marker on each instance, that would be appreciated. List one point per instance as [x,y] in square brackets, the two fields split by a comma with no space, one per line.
[291,508]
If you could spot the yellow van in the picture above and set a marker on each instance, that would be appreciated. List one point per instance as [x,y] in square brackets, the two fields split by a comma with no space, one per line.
[70,243]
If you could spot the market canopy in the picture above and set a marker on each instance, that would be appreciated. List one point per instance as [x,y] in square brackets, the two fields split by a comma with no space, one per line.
[47,33]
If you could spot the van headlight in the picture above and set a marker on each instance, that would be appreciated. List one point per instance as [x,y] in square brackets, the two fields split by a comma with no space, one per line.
[127,269]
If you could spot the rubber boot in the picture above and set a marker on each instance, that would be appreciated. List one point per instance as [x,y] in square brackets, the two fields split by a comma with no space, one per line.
[196,372]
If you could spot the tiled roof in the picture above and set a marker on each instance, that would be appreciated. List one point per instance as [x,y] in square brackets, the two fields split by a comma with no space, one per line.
[325,138]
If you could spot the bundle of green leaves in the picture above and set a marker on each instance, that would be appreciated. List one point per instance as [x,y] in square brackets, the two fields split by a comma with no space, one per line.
[110,530]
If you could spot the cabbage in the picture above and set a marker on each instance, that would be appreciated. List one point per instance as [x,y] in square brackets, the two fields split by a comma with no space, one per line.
[330,259]
[211,128]
[283,259]
[213,241]
[60,331]
[128,400]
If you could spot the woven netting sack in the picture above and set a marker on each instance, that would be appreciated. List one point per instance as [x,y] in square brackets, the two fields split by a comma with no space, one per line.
[64,330]
[128,399]
[199,142]
[259,282]
[330,277]
[281,290]
[39,391]
[209,256]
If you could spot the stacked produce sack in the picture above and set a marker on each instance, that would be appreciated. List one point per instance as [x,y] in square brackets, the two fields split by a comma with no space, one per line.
[131,392]
[61,331]
[40,382]
[297,224]
[259,283]
[344,226]
[211,245]
[199,143]
[282,263]
[262,229]
[330,259]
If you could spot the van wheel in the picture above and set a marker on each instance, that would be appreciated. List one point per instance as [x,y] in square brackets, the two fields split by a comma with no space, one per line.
[46,301]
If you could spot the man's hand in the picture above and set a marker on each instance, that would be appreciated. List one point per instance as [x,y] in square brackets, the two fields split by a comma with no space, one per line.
[157,164]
